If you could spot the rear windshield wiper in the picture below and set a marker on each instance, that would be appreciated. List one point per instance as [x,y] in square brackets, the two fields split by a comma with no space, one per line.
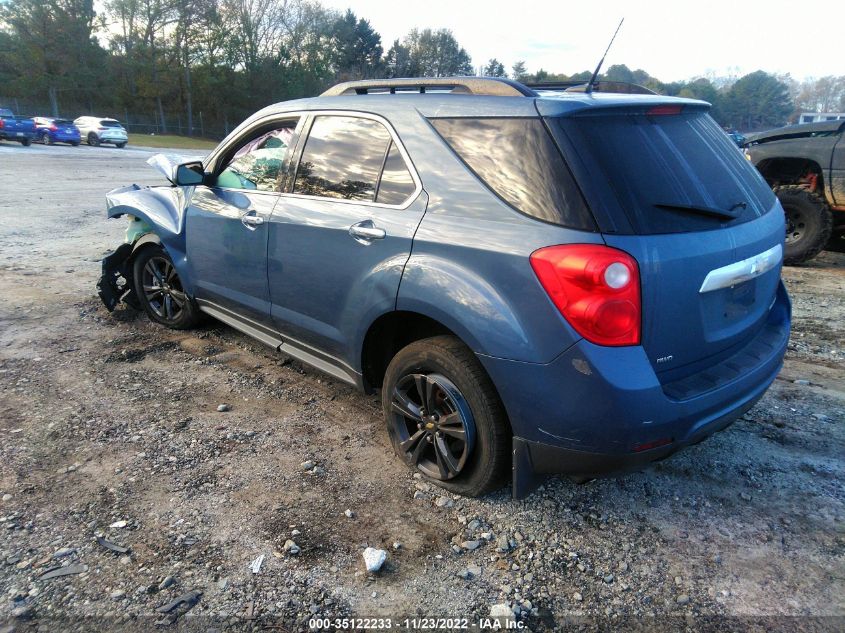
[729,214]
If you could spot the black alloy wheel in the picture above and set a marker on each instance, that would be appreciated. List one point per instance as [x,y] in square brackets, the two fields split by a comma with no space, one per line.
[433,425]
[163,290]
[160,290]
[444,417]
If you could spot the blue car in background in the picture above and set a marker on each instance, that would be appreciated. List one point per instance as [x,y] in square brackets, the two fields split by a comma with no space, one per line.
[50,130]
[537,282]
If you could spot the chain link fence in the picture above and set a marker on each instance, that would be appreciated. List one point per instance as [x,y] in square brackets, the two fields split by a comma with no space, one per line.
[134,122]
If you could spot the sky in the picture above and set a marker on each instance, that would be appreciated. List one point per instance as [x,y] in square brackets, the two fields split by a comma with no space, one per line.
[670,40]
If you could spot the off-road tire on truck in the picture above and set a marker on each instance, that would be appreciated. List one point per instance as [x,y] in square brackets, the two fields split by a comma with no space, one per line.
[461,396]
[809,223]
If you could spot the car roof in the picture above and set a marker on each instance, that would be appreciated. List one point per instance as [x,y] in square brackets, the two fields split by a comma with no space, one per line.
[449,104]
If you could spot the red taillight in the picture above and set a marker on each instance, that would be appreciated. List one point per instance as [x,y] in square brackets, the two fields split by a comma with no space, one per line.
[102,129]
[664,110]
[596,288]
[2,124]
[53,127]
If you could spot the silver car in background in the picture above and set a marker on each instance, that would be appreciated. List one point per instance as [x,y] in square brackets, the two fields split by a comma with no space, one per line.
[95,131]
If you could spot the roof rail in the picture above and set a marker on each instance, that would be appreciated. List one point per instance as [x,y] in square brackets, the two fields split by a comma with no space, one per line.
[622,87]
[491,86]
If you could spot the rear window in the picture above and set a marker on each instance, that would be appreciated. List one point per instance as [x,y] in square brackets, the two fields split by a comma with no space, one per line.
[518,160]
[670,173]
[109,123]
[62,122]
[5,112]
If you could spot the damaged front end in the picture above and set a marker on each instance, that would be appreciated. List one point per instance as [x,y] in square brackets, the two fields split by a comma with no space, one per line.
[114,284]
[156,215]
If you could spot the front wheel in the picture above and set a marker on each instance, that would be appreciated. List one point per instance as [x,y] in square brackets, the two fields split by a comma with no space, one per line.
[444,417]
[93,140]
[120,145]
[809,223]
[160,290]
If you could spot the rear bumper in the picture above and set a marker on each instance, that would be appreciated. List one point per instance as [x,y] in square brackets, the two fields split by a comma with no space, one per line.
[16,135]
[111,137]
[596,410]
[65,138]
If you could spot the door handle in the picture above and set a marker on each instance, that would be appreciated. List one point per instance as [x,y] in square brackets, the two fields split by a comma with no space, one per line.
[251,220]
[365,232]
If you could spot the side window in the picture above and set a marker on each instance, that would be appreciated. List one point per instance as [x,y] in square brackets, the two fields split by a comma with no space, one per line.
[342,158]
[260,162]
[518,160]
[396,183]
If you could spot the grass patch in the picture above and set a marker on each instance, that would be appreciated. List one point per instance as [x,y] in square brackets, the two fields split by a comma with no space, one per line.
[171,140]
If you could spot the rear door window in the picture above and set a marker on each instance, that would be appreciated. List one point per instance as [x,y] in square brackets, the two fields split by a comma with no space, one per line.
[670,172]
[396,184]
[518,160]
[343,158]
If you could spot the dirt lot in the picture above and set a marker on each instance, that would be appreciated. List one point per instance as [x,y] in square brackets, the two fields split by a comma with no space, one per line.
[109,426]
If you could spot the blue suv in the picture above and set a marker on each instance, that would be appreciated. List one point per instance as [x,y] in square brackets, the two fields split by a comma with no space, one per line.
[538,282]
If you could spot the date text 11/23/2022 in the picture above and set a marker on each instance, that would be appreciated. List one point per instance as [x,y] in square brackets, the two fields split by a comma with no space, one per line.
[491,623]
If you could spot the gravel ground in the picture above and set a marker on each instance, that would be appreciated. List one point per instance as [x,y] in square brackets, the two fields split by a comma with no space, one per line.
[110,428]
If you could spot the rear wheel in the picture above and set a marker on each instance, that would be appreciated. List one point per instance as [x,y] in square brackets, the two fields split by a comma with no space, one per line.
[444,417]
[75,143]
[160,290]
[120,145]
[93,140]
[809,223]
[26,142]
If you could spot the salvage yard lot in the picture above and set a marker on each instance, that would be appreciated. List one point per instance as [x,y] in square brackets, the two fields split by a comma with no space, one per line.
[106,419]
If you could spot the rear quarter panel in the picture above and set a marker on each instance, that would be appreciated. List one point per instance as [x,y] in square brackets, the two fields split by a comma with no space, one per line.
[470,269]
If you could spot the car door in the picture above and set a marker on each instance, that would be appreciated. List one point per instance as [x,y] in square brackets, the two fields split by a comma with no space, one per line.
[228,217]
[341,235]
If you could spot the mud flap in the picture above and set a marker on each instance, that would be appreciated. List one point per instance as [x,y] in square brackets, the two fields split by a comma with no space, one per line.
[114,285]
[525,480]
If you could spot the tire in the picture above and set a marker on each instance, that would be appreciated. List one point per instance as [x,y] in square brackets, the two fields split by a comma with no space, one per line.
[47,139]
[165,301]
[809,223]
[93,139]
[468,422]
[75,143]
[120,145]
[26,142]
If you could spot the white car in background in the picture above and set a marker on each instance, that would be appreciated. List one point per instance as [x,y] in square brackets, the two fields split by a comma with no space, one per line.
[96,130]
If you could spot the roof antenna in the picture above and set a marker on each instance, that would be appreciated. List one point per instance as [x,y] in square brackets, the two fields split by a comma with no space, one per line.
[592,82]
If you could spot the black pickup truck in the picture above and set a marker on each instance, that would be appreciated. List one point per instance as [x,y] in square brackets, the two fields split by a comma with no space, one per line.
[805,166]
[16,128]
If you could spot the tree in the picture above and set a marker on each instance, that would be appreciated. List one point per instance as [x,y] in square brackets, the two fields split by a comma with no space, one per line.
[397,61]
[703,90]
[757,101]
[49,47]
[519,72]
[436,54]
[494,68]
[357,47]
[826,94]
